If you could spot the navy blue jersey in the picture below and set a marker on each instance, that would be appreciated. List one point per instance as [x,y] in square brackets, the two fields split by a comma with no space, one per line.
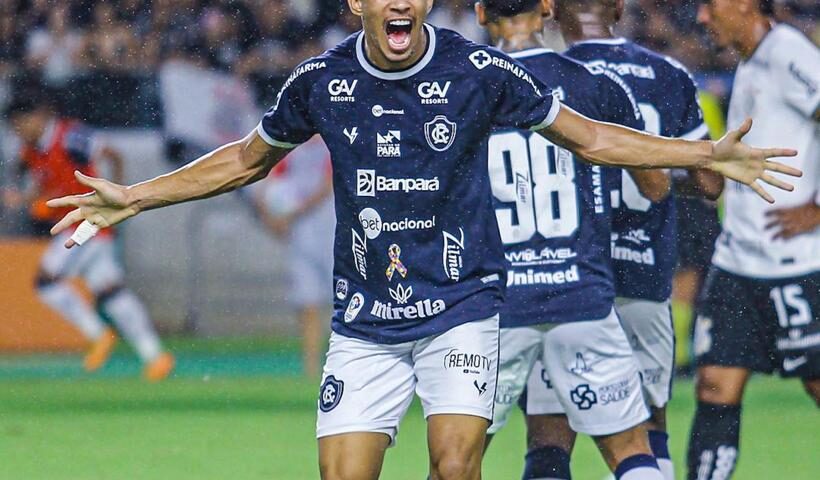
[417,248]
[644,241]
[553,210]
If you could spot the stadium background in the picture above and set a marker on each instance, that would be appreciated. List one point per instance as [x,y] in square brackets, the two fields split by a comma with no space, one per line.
[164,81]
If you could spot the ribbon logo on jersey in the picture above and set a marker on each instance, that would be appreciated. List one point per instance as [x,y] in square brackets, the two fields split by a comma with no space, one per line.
[440,133]
[394,252]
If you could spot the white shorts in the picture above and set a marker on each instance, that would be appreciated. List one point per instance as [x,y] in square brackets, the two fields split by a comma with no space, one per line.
[648,325]
[589,373]
[521,348]
[367,387]
[95,262]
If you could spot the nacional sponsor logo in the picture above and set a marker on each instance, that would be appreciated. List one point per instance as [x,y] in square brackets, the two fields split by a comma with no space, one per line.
[389,144]
[440,133]
[354,307]
[452,254]
[432,93]
[373,225]
[613,393]
[341,90]
[400,294]
[626,254]
[421,309]
[531,277]
[547,256]
[473,363]
[378,111]
[360,253]
[341,288]
[368,184]
[351,134]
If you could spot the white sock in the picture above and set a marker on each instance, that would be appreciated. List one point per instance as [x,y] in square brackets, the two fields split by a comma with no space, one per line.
[642,473]
[66,301]
[132,320]
[667,468]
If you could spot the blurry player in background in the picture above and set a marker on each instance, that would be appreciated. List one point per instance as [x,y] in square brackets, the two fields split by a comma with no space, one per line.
[405,110]
[760,310]
[295,203]
[52,149]
[555,219]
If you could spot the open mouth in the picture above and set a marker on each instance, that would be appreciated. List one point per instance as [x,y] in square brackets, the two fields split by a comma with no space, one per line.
[398,34]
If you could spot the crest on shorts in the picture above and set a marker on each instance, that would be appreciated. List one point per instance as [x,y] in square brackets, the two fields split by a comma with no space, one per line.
[330,394]
[440,133]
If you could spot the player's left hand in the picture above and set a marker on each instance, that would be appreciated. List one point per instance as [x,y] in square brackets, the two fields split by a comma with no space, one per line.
[734,159]
[790,222]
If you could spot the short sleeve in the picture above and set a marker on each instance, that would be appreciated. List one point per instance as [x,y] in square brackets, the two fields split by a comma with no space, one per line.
[522,101]
[798,73]
[288,123]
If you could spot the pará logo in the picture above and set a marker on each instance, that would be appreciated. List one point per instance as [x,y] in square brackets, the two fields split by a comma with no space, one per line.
[432,93]
[341,90]
[440,133]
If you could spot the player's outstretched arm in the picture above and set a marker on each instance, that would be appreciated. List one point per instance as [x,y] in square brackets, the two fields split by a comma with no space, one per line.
[612,145]
[225,169]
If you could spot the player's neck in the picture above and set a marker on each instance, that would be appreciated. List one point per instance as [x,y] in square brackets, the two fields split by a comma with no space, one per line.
[521,32]
[747,44]
[585,28]
[516,43]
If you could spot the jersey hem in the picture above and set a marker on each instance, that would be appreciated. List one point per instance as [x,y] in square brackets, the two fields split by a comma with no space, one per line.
[551,116]
[272,141]
[765,274]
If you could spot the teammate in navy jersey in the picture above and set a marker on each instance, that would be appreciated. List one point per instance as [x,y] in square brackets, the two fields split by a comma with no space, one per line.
[406,110]
[643,241]
[555,221]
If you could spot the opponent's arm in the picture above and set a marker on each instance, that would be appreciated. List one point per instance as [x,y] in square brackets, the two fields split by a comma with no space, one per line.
[222,170]
[612,145]
[654,185]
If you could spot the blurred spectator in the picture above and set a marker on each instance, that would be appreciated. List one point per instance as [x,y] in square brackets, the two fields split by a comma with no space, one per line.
[55,49]
[458,15]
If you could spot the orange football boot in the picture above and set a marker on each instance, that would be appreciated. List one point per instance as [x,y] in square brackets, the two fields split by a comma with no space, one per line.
[160,368]
[100,350]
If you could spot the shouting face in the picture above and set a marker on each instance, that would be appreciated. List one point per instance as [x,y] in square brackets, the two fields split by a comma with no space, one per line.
[394,30]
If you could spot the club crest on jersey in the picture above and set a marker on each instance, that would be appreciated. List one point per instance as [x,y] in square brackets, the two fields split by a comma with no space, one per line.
[330,394]
[400,294]
[341,90]
[389,144]
[480,59]
[440,133]
[341,289]
[354,307]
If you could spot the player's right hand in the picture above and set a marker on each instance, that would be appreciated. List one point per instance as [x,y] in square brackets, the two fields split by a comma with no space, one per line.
[105,206]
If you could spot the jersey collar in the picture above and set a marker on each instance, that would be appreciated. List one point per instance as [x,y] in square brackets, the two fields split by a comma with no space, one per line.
[397,74]
[530,52]
[602,41]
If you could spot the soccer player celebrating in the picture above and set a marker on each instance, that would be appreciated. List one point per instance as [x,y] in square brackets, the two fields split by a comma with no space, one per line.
[555,221]
[761,304]
[406,110]
[53,149]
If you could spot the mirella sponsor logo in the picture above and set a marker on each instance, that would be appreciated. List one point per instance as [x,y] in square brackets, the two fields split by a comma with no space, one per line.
[421,309]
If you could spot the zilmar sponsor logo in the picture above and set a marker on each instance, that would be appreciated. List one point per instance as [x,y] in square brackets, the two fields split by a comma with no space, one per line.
[532,277]
[452,254]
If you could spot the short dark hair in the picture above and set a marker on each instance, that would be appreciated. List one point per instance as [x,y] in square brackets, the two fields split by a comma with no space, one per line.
[766,6]
[508,8]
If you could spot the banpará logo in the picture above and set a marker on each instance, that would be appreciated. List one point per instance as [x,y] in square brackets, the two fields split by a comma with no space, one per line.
[440,133]
[452,254]
[432,93]
[419,310]
[354,307]
[360,253]
[400,294]
[378,111]
[341,90]
[368,184]
[583,397]
[466,362]
[330,393]
[341,289]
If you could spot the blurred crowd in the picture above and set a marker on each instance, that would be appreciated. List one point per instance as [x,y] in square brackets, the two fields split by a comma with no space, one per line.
[257,39]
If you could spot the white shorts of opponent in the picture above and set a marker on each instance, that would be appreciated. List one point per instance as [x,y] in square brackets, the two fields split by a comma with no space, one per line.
[585,370]
[95,262]
[367,387]
[648,325]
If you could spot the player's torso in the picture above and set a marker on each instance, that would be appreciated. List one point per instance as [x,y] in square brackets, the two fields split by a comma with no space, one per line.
[746,246]
[416,240]
[643,238]
[52,167]
[553,212]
